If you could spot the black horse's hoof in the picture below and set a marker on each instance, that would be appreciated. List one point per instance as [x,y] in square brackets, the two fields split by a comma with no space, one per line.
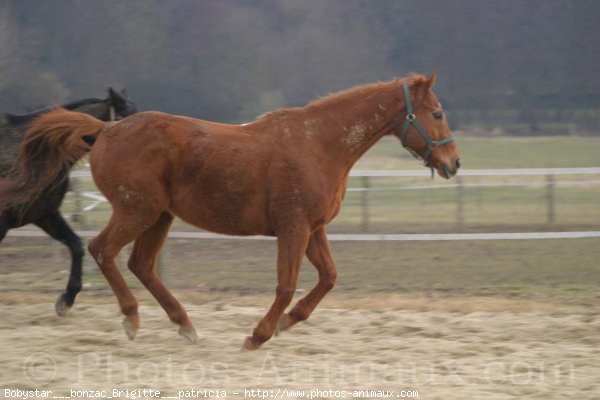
[61,307]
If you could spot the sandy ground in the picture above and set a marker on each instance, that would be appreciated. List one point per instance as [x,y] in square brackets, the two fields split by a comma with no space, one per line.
[439,354]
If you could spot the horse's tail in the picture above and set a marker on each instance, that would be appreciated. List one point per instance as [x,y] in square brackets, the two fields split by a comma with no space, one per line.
[54,142]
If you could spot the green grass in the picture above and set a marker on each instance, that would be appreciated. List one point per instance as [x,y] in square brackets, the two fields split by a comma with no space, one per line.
[550,152]
[436,210]
[499,152]
[483,207]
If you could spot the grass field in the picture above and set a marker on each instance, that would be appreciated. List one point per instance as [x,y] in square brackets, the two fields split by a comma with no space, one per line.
[498,152]
[483,205]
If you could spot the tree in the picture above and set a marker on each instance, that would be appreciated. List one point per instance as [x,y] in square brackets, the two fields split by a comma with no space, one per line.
[23,85]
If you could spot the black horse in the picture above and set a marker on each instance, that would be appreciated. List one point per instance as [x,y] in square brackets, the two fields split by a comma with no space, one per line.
[42,209]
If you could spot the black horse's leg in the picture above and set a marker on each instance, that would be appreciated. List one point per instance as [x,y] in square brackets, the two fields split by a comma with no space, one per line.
[3,228]
[55,225]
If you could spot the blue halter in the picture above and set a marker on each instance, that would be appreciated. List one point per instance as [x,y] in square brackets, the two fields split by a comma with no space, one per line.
[411,119]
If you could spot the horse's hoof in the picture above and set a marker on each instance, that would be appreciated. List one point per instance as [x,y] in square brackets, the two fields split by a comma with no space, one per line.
[61,307]
[190,334]
[130,328]
[251,344]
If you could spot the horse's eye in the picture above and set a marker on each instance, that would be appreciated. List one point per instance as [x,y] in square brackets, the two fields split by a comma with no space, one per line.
[438,115]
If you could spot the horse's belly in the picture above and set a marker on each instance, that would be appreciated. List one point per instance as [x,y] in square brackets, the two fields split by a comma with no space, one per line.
[229,213]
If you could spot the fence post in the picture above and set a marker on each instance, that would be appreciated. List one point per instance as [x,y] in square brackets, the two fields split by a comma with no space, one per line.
[459,201]
[550,198]
[365,203]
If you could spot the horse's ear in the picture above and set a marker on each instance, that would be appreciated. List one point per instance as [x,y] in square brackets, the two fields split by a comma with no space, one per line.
[116,97]
[430,81]
[422,85]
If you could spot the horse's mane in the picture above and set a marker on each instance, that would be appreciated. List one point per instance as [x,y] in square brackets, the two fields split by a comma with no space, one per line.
[21,118]
[365,89]
[333,98]
[342,95]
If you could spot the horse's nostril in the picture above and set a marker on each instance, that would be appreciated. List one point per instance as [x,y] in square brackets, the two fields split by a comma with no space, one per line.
[457,163]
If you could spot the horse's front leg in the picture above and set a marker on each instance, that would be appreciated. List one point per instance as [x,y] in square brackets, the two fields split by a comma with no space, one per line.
[56,226]
[319,254]
[291,247]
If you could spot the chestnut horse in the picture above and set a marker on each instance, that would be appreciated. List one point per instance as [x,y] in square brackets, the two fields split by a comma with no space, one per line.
[283,175]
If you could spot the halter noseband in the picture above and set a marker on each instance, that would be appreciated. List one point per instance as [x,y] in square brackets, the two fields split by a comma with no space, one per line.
[411,119]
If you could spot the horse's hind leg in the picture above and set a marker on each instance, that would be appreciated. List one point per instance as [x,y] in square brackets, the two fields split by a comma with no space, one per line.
[56,226]
[291,247]
[319,254]
[104,248]
[142,263]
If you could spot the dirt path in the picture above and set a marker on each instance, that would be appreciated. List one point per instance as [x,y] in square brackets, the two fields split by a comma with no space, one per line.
[442,355]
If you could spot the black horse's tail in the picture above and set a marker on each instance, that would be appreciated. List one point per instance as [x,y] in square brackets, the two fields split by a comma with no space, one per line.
[55,141]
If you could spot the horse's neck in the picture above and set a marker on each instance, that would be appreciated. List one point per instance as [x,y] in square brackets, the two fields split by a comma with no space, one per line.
[350,128]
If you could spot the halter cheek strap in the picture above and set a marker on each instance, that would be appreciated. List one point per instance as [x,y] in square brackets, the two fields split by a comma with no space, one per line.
[411,119]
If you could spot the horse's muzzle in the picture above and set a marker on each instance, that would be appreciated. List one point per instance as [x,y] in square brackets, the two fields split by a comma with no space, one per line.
[448,172]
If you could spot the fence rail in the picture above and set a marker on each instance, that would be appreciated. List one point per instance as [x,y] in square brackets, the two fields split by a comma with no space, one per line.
[425,173]
[344,237]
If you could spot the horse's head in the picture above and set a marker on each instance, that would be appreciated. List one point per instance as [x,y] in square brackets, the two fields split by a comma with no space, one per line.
[120,104]
[425,132]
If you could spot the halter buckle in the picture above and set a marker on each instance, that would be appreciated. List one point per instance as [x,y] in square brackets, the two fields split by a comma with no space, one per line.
[411,117]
